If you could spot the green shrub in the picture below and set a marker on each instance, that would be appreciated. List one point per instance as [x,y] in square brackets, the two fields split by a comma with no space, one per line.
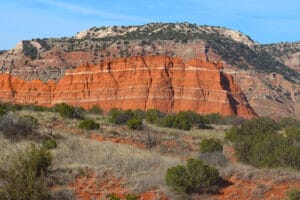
[88,125]
[258,142]
[194,177]
[114,197]
[49,144]
[131,197]
[25,178]
[13,126]
[95,110]
[118,116]
[214,118]
[35,108]
[67,111]
[210,145]
[6,107]
[153,116]
[178,178]
[293,194]
[135,123]
[181,122]
[139,114]
[192,118]
[168,121]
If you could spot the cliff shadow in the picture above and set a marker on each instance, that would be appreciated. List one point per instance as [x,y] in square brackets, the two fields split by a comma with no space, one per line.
[225,83]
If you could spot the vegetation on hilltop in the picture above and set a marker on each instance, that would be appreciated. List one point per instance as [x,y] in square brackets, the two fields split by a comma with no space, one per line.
[233,52]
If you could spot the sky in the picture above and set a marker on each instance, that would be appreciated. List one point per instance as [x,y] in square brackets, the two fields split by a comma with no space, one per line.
[265,21]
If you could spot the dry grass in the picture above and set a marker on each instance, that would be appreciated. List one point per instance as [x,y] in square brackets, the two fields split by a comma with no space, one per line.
[143,170]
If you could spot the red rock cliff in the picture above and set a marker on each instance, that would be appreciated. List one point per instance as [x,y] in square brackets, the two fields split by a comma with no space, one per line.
[165,83]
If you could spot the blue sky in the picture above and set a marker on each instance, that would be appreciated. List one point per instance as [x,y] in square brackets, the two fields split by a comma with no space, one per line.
[265,21]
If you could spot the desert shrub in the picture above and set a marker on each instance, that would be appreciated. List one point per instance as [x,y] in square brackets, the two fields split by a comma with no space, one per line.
[182,123]
[135,123]
[153,116]
[258,142]
[11,125]
[289,122]
[29,50]
[118,116]
[67,111]
[139,114]
[25,178]
[192,118]
[214,118]
[293,194]
[168,121]
[49,144]
[6,107]
[88,125]
[35,108]
[95,110]
[114,197]
[193,178]
[131,197]
[210,145]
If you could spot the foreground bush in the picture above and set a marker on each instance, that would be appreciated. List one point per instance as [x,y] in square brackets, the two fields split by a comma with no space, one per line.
[67,111]
[25,178]
[88,125]
[258,142]
[135,123]
[49,144]
[293,194]
[118,116]
[195,177]
[180,122]
[210,145]
[153,116]
[14,126]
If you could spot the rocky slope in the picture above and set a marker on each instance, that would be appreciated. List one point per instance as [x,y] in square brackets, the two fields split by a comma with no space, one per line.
[287,53]
[168,84]
[270,83]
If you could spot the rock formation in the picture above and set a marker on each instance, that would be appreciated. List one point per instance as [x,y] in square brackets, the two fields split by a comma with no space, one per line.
[168,84]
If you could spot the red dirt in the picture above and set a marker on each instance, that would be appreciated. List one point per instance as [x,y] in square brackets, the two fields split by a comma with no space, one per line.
[245,190]
[93,187]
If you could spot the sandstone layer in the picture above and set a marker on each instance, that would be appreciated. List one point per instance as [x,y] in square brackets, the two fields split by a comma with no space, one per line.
[166,83]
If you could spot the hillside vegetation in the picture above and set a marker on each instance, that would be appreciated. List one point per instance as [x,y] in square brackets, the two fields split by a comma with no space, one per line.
[234,47]
[101,155]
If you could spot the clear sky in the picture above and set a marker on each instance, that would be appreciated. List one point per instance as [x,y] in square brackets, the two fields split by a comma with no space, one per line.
[265,21]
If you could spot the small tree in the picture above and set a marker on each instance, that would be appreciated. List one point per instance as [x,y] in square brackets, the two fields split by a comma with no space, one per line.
[88,125]
[181,122]
[118,116]
[153,116]
[194,177]
[67,111]
[293,194]
[135,123]
[25,178]
[210,145]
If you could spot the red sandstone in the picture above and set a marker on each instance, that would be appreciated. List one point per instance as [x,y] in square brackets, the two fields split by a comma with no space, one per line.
[168,84]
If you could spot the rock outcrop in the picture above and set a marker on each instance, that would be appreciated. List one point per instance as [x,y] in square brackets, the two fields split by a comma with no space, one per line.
[166,83]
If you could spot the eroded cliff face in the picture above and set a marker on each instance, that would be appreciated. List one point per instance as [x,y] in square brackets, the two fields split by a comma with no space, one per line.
[168,84]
